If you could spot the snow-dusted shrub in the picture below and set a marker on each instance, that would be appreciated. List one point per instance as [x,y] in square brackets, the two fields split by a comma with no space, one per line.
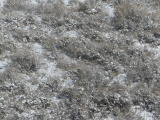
[148,38]
[25,63]
[80,49]
[83,7]
[132,17]
[56,9]
[99,71]
[86,6]
[7,46]
[142,97]
[126,17]
[18,5]
[113,104]
[66,63]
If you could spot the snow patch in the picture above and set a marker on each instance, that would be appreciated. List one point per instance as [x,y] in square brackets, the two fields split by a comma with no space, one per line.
[3,64]
[27,28]
[147,115]
[32,87]
[37,48]
[67,59]
[19,45]
[81,0]
[71,34]
[110,10]
[143,47]
[142,113]
[67,83]
[2,2]
[110,117]
[93,11]
[119,78]
[24,114]
[48,69]
[38,18]
[34,2]
[107,35]
[67,2]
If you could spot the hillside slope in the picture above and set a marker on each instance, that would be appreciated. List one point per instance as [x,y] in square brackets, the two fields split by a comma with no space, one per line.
[80,60]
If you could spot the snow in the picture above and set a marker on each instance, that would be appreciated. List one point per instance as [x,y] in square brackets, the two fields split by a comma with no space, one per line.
[26,28]
[119,78]
[67,83]
[34,2]
[142,113]
[68,59]
[2,2]
[147,115]
[143,47]
[71,34]
[3,64]
[110,117]
[93,10]
[19,45]
[24,114]
[81,0]
[66,2]
[107,35]
[38,18]
[48,69]
[110,10]
[32,87]
[37,48]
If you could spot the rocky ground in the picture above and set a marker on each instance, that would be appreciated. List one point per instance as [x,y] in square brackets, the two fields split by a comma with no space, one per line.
[80,60]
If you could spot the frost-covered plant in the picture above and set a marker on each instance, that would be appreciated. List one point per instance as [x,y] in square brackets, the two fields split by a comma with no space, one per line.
[92,51]
[25,63]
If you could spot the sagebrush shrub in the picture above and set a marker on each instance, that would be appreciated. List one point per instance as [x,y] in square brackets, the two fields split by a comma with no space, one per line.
[25,63]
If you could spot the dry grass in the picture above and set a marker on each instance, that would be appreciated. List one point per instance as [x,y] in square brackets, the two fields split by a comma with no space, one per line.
[92,60]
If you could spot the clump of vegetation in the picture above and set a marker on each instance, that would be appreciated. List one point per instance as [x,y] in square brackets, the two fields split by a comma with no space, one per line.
[108,64]
[25,63]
